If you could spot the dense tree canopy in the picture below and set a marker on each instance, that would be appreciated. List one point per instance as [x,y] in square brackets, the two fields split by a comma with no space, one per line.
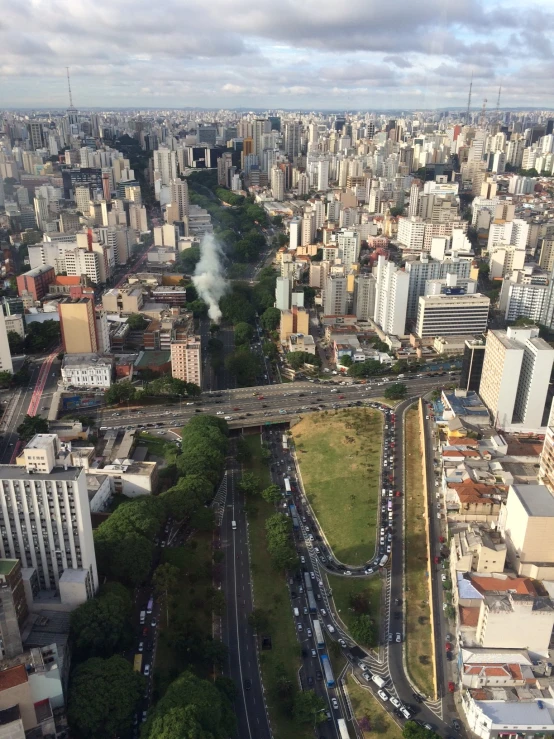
[396,391]
[271,318]
[299,359]
[279,542]
[243,334]
[100,626]
[244,366]
[32,425]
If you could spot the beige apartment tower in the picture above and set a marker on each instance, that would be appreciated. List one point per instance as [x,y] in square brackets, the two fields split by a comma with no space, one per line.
[186,358]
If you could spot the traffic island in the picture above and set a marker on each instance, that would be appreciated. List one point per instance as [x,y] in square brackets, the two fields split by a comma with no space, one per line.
[419,647]
[371,717]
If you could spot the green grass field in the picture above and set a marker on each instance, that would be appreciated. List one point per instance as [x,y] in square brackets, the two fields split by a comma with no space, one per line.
[339,455]
[155,444]
[419,653]
[345,588]
[369,712]
[271,595]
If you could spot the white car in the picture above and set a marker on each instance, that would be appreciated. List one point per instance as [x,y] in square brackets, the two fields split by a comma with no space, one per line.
[342,643]
[309,632]
[146,670]
[382,695]
[444,577]
[335,704]
[395,702]
[323,611]
[347,572]
[330,629]
[303,559]
[220,413]
[300,627]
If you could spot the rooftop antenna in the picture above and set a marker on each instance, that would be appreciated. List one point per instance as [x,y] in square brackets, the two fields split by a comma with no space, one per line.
[69,88]
[469,99]
[483,110]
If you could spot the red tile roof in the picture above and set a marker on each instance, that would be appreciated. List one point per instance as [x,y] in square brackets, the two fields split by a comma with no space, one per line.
[469,615]
[12,677]
[522,585]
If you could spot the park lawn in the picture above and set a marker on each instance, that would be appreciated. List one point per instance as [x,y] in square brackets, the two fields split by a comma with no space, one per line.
[419,653]
[155,444]
[192,605]
[365,705]
[272,596]
[340,456]
[344,587]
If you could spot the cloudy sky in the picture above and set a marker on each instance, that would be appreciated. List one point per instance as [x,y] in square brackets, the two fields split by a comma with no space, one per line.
[338,54]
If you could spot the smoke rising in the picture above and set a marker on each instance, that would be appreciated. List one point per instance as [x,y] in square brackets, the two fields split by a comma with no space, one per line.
[208,278]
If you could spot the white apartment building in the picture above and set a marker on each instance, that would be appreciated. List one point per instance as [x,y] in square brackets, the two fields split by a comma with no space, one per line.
[514,232]
[323,175]
[519,299]
[87,370]
[186,359]
[348,243]
[391,297]
[180,197]
[504,259]
[452,315]
[411,232]
[308,227]
[283,289]
[425,268]
[295,233]
[335,298]
[44,515]
[365,289]
[277,183]
[515,378]
[494,718]
[165,163]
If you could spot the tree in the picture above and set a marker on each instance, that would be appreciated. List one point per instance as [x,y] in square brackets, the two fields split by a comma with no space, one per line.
[244,365]
[397,211]
[136,322]
[243,334]
[270,319]
[187,496]
[363,630]
[99,626]
[309,708]
[270,350]
[272,494]
[258,619]
[41,336]
[6,378]
[103,698]
[413,730]
[16,342]
[396,391]
[32,425]
[346,360]
[249,483]
[298,359]
[166,580]
[120,392]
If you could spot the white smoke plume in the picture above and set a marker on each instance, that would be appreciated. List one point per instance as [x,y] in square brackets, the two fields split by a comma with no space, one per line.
[208,276]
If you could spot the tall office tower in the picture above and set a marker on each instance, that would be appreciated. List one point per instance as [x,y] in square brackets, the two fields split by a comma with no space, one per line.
[259,128]
[295,232]
[5,354]
[319,210]
[165,162]
[515,378]
[186,357]
[364,297]
[423,269]
[391,297]
[323,175]
[452,315]
[277,183]
[42,212]
[36,135]
[78,326]
[82,199]
[206,134]
[45,516]
[335,298]
[308,227]
[283,289]
[472,364]
[224,164]
[477,148]
[291,138]
[303,184]
[180,197]
[348,243]
[415,190]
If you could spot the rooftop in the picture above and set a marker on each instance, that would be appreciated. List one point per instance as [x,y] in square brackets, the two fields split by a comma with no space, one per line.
[12,677]
[536,499]
[15,472]
[526,714]
[7,565]
[74,360]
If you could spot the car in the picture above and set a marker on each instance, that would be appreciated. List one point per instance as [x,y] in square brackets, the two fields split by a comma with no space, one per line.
[146,670]
[305,610]
[220,413]
[382,695]
[303,559]
[449,637]
[448,646]
[347,572]
[444,577]
[145,631]
[436,559]
[398,601]
[309,632]
[390,637]
[342,643]
[247,683]
[369,570]
[330,628]
[299,627]
[451,687]
[323,611]
[140,646]
[318,675]
[419,699]
[398,638]
[427,726]
[395,702]
[456,724]
[335,704]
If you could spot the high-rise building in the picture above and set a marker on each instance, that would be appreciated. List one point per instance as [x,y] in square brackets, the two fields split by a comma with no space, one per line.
[36,135]
[180,197]
[291,138]
[260,127]
[82,199]
[516,376]
[364,297]
[294,321]
[45,516]
[335,297]
[78,326]
[308,227]
[323,175]
[5,354]
[283,289]
[224,164]
[391,297]
[348,243]
[277,183]
[295,232]
[36,281]
[165,162]
[425,268]
[186,357]
[452,315]
[472,364]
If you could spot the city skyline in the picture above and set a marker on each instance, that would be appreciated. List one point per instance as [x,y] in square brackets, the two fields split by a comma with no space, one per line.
[309,56]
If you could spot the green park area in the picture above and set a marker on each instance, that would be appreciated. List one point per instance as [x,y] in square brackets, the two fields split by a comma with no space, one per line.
[339,455]
[419,653]
[358,603]
[372,719]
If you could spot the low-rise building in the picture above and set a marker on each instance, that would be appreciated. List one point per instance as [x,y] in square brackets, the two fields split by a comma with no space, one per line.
[87,370]
[498,712]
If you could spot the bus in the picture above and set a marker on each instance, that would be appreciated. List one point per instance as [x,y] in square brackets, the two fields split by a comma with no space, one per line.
[285,443]
[328,672]
[343,729]
[294,516]
[137,664]
[318,635]
[310,593]
[288,490]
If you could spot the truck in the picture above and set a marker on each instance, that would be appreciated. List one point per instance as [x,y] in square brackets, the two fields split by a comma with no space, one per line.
[142,617]
[378,680]
[285,442]
[327,671]
[137,664]
[343,729]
